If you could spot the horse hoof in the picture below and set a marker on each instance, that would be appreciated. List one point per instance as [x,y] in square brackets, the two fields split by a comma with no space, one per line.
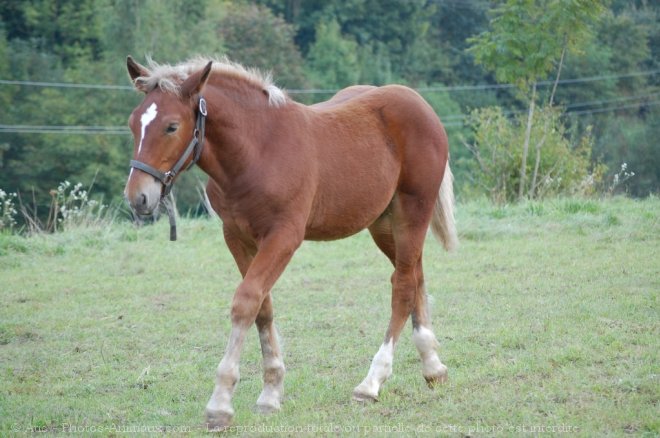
[217,421]
[266,409]
[362,397]
[437,379]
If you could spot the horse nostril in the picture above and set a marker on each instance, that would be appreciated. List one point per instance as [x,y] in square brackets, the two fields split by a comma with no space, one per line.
[144,199]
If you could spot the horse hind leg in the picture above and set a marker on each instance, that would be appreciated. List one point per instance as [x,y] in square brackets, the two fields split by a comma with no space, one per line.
[433,370]
[409,240]
[381,365]
[403,246]
[407,252]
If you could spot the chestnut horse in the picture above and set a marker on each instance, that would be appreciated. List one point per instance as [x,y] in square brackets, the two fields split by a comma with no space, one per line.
[281,172]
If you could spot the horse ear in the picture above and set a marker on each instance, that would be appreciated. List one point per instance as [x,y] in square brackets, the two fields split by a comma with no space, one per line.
[136,71]
[196,81]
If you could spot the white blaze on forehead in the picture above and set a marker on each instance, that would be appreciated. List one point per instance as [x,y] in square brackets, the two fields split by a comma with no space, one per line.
[146,118]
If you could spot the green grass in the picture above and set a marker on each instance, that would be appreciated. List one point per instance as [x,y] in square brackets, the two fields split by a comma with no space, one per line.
[547,316]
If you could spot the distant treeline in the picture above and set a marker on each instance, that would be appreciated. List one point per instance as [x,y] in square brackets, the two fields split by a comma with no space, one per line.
[54,127]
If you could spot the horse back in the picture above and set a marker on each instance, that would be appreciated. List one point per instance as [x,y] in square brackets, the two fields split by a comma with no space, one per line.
[371,142]
[343,96]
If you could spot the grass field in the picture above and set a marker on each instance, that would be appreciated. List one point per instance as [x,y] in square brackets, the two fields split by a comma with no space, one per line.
[547,316]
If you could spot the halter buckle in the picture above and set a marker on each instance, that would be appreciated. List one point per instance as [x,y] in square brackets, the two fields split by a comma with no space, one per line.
[169,177]
[202,106]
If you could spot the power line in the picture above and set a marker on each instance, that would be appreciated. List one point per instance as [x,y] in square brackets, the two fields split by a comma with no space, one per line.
[452,119]
[579,112]
[71,127]
[602,110]
[568,106]
[59,131]
[63,129]
[329,91]
[540,83]
[66,85]
[615,99]
[496,86]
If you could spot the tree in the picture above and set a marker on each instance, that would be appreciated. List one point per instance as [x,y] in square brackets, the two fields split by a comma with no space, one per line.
[166,31]
[84,42]
[451,25]
[626,41]
[528,38]
[257,38]
[332,60]
[5,92]
[388,34]
[68,28]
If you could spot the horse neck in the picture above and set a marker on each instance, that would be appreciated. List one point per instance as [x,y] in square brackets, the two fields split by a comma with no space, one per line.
[235,133]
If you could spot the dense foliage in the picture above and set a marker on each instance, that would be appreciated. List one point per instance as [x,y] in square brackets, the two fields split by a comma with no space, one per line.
[49,134]
[564,167]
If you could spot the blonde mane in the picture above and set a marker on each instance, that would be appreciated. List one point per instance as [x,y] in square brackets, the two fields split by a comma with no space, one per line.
[169,77]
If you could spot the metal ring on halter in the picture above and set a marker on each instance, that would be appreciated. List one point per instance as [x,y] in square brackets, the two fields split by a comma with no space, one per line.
[169,176]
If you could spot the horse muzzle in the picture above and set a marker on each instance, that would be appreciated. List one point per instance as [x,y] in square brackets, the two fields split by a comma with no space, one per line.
[143,195]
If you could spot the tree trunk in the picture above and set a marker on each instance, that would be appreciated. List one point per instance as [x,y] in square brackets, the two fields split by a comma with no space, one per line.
[561,64]
[539,145]
[537,162]
[528,133]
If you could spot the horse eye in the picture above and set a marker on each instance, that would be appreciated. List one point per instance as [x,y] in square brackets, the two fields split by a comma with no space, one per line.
[172,128]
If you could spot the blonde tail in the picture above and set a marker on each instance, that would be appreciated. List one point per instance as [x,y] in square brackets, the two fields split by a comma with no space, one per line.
[443,224]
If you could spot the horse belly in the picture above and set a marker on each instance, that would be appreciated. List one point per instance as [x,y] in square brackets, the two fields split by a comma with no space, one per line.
[351,199]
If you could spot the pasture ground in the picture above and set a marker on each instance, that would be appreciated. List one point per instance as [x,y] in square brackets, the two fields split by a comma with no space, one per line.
[547,316]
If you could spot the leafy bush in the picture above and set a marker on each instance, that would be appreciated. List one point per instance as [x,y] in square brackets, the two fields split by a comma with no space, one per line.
[556,164]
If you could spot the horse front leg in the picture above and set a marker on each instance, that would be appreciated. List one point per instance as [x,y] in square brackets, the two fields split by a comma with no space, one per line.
[273,365]
[273,254]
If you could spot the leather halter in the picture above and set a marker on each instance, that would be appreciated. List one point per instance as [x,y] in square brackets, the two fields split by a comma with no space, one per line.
[167,178]
[194,148]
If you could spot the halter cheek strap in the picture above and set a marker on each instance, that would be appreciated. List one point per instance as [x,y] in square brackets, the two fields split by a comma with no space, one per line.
[167,178]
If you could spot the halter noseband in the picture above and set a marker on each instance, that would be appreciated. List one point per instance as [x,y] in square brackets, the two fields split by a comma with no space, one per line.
[167,178]
[194,147]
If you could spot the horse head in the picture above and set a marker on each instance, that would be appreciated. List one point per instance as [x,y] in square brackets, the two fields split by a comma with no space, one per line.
[168,132]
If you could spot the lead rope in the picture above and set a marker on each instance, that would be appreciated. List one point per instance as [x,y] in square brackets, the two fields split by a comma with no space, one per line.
[171,214]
